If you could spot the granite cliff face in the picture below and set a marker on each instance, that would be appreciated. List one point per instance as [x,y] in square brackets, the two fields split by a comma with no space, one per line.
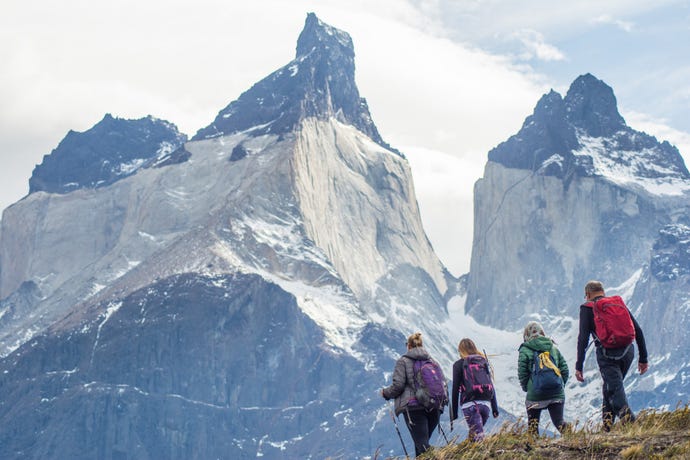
[240,294]
[576,195]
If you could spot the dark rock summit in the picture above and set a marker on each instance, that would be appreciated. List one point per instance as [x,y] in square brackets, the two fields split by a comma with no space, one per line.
[555,140]
[319,82]
[591,106]
[112,149]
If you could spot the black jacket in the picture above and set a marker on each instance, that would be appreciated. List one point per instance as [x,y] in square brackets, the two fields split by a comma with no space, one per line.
[587,329]
[457,384]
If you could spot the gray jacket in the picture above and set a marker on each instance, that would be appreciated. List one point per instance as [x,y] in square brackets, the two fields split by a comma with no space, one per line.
[402,388]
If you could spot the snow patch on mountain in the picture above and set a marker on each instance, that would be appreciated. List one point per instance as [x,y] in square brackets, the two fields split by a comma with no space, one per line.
[334,310]
[630,167]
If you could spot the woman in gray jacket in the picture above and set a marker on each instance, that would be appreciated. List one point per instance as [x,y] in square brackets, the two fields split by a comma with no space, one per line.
[419,421]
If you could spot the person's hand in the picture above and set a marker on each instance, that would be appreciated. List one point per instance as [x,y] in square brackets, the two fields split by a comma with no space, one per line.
[642,367]
[579,376]
[451,425]
[382,395]
[496,414]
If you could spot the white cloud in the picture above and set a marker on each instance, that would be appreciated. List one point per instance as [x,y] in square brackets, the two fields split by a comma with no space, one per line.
[444,187]
[535,46]
[627,26]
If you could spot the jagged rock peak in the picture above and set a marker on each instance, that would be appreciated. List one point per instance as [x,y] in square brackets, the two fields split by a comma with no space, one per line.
[112,149]
[583,134]
[319,82]
[592,106]
[317,34]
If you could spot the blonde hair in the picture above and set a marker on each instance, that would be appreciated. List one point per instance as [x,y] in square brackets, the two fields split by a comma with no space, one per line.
[532,330]
[415,340]
[467,347]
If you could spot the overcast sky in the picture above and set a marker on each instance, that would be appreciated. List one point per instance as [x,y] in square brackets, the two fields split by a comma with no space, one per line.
[446,80]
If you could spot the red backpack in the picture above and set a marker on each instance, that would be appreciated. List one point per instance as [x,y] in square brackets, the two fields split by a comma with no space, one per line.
[613,324]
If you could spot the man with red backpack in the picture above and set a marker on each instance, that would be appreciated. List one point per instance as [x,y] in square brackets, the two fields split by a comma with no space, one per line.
[614,329]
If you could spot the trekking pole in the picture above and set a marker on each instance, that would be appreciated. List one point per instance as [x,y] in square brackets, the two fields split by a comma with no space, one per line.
[395,422]
[489,363]
[440,427]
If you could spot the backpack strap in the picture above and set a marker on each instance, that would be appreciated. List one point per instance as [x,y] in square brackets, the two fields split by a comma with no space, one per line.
[545,361]
[590,304]
[619,357]
[417,374]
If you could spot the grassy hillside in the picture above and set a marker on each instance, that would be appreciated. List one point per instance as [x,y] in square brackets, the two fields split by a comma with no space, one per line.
[654,435]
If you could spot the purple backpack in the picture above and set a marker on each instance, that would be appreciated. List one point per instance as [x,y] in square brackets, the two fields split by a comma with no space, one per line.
[477,384]
[430,385]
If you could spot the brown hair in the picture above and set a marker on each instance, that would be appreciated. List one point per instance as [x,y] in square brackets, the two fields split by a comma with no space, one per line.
[467,347]
[415,340]
[594,286]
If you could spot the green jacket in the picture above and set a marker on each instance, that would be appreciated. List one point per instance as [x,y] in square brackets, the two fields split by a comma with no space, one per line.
[525,363]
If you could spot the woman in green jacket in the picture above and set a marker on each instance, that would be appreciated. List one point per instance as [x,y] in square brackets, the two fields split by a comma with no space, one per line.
[553,365]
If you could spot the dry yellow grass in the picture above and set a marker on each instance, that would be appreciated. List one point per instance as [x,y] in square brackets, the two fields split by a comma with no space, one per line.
[654,435]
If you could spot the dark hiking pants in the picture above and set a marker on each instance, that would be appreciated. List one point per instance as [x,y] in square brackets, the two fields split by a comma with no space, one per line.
[421,425]
[556,413]
[614,365]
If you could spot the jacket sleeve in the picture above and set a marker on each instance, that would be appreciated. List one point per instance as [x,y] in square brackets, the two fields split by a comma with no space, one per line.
[562,366]
[457,376]
[399,380]
[586,329]
[523,368]
[639,338]
[494,403]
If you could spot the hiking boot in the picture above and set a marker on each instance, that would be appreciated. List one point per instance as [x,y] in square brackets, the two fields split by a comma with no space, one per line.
[626,415]
[606,421]
[566,428]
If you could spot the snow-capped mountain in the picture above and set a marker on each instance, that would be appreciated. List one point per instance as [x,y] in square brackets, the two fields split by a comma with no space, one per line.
[242,294]
[576,195]
[246,293]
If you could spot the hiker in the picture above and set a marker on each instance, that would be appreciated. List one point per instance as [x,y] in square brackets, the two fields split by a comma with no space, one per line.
[542,372]
[614,328]
[420,420]
[473,385]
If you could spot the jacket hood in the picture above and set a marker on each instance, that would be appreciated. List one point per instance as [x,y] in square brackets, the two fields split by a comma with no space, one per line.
[539,344]
[417,354]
